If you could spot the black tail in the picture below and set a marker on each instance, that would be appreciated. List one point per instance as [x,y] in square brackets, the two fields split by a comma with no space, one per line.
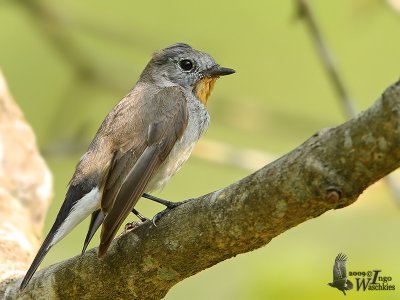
[38,258]
[95,222]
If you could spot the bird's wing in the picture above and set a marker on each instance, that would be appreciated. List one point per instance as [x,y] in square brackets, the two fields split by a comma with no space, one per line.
[163,119]
[339,268]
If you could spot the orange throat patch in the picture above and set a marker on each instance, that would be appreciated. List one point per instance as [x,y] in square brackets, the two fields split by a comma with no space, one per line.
[203,89]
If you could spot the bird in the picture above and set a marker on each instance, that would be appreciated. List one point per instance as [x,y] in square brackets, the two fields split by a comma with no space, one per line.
[140,145]
[340,280]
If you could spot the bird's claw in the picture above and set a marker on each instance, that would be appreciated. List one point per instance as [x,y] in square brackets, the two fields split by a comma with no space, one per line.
[159,215]
[131,225]
[171,206]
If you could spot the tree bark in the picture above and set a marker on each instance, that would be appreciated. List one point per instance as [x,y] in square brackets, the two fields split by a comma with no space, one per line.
[328,171]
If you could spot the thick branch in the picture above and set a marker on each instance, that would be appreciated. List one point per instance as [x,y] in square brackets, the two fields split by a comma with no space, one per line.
[328,171]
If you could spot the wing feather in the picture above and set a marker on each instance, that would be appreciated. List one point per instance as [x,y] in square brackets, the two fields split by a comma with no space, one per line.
[133,167]
[339,268]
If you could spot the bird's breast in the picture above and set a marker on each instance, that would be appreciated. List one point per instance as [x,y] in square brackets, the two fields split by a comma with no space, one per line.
[198,122]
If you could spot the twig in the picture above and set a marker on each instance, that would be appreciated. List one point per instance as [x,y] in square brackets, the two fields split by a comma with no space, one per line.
[326,57]
[305,12]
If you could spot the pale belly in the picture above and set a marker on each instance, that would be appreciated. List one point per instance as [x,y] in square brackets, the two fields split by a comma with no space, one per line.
[197,125]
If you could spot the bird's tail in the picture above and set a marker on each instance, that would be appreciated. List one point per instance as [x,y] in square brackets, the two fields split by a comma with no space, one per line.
[70,215]
[47,244]
[349,285]
[95,222]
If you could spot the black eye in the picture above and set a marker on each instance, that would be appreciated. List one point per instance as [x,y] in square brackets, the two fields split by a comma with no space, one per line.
[186,64]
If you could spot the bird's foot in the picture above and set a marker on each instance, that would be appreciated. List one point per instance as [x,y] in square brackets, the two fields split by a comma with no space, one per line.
[130,226]
[159,215]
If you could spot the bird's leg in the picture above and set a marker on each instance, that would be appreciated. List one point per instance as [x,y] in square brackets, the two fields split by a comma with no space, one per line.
[168,204]
[163,212]
[132,225]
[139,215]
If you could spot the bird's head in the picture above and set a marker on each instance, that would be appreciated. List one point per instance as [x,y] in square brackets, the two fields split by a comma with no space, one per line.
[180,64]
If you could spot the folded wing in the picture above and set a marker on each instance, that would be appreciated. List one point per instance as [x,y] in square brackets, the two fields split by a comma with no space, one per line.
[163,119]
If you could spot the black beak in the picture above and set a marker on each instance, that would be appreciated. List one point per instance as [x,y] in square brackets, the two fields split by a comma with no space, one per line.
[216,71]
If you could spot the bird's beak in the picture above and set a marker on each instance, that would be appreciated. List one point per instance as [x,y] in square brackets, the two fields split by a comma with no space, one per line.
[216,71]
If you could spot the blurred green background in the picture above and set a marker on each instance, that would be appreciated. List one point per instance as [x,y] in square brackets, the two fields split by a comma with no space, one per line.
[68,62]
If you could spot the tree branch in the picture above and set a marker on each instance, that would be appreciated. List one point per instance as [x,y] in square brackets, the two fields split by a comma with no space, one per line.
[328,171]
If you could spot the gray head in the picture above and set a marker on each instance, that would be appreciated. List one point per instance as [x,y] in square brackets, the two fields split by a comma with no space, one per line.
[180,64]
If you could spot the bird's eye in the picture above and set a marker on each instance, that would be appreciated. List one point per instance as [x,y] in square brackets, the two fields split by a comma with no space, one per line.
[186,64]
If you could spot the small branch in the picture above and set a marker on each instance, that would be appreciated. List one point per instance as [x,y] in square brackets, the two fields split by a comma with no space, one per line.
[328,171]
[305,12]
[55,25]
[338,85]
[221,153]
